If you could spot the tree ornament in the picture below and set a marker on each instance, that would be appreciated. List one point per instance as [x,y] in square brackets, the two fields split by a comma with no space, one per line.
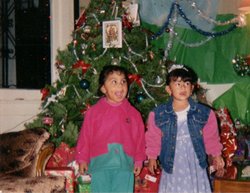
[83,111]
[84,84]
[140,97]
[87,29]
[45,93]
[163,69]
[241,65]
[135,78]
[93,46]
[102,11]
[48,120]
[126,23]
[158,80]
[81,20]
[151,55]
[85,36]
[115,61]
[81,64]
[59,65]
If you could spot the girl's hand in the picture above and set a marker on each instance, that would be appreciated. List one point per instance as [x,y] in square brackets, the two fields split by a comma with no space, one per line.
[152,166]
[83,168]
[137,170]
[218,162]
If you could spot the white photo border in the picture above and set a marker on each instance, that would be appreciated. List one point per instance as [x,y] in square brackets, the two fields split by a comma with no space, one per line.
[112,34]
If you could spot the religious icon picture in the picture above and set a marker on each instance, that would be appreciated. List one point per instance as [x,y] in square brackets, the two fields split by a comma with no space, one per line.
[112,34]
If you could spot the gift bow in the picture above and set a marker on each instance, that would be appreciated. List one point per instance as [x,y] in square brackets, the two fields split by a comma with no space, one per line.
[45,93]
[81,64]
[135,78]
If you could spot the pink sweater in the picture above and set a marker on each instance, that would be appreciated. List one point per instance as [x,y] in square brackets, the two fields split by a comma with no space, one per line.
[106,123]
[210,135]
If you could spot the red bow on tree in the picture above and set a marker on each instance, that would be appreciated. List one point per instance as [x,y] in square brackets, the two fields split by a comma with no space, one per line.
[135,78]
[83,111]
[81,20]
[81,64]
[45,93]
[126,23]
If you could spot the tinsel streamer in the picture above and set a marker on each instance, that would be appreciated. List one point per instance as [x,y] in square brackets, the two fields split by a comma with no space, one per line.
[189,22]
[77,93]
[145,90]
[209,19]
[192,45]
[153,85]
[113,9]
[101,55]
[171,36]
[52,98]
[97,20]
[146,38]
[74,48]
[165,25]
[133,64]
[116,11]
[213,34]
[130,49]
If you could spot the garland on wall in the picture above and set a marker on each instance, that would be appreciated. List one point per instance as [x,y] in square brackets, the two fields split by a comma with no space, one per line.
[241,65]
[170,23]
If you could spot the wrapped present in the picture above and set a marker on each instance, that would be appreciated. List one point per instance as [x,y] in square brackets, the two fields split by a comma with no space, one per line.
[83,184]
[62,156]
[146,182]
[63,171]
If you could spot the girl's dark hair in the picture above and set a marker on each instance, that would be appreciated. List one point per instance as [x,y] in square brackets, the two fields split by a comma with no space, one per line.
[109,69]
[185,73]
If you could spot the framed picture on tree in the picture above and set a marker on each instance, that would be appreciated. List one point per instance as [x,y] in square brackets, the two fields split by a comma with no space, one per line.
[112,34]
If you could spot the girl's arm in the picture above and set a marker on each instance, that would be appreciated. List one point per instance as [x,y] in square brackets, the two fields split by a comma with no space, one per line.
[212,143]
[153,138]
[140,145]
[211,136]
[83,142]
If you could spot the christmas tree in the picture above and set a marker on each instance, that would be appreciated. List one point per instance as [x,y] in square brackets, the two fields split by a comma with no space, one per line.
[108,32]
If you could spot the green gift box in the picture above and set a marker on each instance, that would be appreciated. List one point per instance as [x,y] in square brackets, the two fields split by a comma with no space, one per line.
[83,184]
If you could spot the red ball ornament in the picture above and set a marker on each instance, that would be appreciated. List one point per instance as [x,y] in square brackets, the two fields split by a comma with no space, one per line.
[48,121]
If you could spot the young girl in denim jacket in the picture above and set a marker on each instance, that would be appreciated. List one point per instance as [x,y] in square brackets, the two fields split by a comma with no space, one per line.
[183,133]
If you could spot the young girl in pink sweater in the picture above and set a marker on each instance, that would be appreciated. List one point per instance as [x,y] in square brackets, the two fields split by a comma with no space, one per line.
[111,144]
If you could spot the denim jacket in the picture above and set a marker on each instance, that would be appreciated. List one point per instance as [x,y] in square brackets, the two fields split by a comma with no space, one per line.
[166,120]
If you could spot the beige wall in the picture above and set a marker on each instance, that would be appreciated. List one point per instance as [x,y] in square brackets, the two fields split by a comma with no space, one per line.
[228,6]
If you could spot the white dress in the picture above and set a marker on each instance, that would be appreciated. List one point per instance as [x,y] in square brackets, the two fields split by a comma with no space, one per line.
[187,174]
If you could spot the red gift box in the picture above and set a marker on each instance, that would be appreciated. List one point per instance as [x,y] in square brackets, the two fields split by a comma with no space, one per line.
[146,182]
[62,156]
[63,171]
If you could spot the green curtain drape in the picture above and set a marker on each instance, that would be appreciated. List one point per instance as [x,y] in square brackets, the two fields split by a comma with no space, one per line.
[213,60]
[237,100]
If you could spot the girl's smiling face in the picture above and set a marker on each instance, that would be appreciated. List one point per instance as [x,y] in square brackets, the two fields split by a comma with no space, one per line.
[115,87]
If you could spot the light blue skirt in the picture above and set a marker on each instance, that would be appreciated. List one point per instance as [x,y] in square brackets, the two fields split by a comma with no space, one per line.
[187,174]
